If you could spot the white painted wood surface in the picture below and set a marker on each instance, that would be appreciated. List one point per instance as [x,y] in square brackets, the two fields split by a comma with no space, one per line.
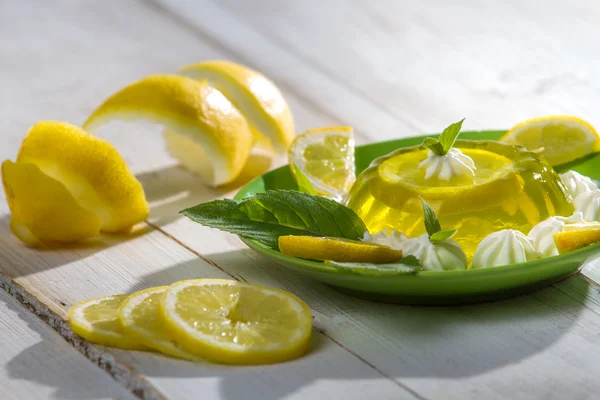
[390,69]
[36,363]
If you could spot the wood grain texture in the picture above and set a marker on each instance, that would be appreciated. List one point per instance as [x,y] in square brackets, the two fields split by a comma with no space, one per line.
[36,363]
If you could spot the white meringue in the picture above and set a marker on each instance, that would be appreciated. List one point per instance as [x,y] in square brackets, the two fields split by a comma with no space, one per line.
[387,237]
[453,164]
[542,235]
[588,203]
[439,256]
[503,248]
[577,184]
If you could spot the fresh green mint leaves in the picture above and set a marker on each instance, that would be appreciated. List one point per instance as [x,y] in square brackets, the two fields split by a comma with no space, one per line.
[444,143]
[266,216]
[432,225]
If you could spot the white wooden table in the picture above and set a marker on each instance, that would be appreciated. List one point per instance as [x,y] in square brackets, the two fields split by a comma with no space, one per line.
[388,68]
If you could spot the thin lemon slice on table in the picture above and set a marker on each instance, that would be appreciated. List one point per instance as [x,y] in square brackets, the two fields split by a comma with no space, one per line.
[191,108]
[234,322]
[335,249]
[576,236]
[257,98]
[91,169]
[326,157]
[42,209]
[562,139]
[96,320]
[139,316]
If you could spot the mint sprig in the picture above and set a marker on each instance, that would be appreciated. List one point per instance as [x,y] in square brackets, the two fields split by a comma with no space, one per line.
[266,216]
[432,225]
[408,265]
[444,143]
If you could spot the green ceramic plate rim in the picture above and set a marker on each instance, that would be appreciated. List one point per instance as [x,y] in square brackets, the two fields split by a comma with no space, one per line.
[323,268]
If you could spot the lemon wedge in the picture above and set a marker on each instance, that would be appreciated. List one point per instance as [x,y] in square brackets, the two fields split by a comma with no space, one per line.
[326,157]
[257,98]
[139,315]
[235,322]
[562,139]
[187,107]
[96,320]
[341,250]
[576,236]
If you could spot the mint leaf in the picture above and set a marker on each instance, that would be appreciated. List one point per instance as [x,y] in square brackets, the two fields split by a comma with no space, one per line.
[304,185]
[408,265]
[440,236]
[434,145]
[432,225]
[266,216]
[448,137]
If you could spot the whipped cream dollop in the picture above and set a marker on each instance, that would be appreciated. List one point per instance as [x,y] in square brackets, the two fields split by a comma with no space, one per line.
[588,204]
[503,248]
[438,256]
[542,235]
[577,184]
[453,164]
[387,237]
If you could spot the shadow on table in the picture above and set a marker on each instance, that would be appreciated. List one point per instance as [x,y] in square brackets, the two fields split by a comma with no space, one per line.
[411,342]
[50,365]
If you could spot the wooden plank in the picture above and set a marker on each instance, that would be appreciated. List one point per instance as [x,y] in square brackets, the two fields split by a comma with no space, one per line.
[36,363]
[64,60]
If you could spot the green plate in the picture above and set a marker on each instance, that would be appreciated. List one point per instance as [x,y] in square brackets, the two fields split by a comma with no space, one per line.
[428,287]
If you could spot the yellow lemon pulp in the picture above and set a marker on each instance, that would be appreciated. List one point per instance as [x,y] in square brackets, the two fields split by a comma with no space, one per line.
[235,322]
[187,107]
[140,318]
[326,157]
[561,138]
[577,236]
[96,320]
[257,98]
[512,189]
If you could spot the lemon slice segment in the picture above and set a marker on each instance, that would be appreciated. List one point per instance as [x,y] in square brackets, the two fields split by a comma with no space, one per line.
[140,318]
[562,138]
[42,209]
[576,236]
[187,107]
[257,98]
[96,320]
[91,169]
[235,322]
[334,249]
[326,157]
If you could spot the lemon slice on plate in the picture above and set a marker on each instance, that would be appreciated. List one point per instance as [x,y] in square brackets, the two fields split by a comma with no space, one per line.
[562,138]
[140,318]
[235,322]
[96,320]
[257,98]
[191,108]
[576,236]
[333,249]
[326,157]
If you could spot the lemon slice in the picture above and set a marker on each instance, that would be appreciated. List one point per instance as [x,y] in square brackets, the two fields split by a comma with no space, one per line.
[235,322]
[42,209]
[93,172]
[140,318]
[96,321]
[576,236]
[326,157]
[187,107]
[561,138]
[341,250]
[257,98]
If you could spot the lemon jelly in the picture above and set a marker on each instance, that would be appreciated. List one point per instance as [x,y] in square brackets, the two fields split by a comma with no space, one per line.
[512,189]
